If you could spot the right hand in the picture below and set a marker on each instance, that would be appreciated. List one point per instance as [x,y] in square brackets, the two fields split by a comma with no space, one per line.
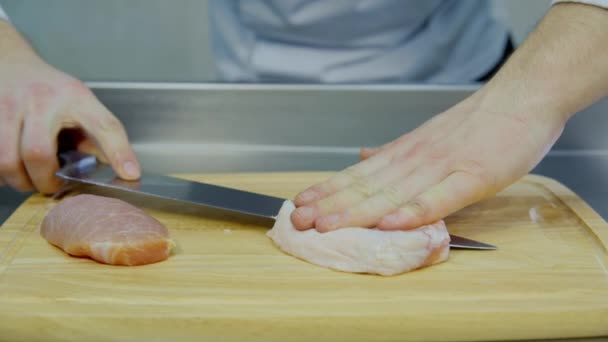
[37,103]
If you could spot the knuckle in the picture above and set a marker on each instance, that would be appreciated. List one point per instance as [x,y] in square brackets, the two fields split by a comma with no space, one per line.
[419,208]
[393,195]
[328,204]
[321,190]
[110,123]
[40,90]
[363,187]
[341,180]
[476,171]
[39,98]
[354,173]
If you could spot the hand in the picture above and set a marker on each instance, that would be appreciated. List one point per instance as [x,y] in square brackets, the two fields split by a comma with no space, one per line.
[480,146]
[37,103]
[455,159]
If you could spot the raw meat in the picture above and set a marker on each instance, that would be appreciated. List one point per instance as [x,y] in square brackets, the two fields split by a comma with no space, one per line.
[362,250]
[107,230]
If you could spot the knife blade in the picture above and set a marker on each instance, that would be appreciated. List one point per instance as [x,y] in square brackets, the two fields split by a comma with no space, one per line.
[85,169]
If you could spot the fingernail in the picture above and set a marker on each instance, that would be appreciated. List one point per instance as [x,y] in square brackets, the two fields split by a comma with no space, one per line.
[306,196]
[131,169]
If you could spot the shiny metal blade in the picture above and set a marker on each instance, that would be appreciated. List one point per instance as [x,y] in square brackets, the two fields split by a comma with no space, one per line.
[459,242]
[85,169]
[89,172]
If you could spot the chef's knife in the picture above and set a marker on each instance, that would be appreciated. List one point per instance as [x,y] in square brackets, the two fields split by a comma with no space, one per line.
[85,169]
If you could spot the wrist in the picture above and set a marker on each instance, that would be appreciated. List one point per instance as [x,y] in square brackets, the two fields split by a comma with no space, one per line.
[518,98]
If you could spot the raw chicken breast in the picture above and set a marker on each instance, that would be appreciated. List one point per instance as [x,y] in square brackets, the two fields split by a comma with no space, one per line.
[107,230]
[362,250]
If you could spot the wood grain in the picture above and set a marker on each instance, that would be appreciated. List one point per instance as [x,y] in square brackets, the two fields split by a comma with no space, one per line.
[227,281]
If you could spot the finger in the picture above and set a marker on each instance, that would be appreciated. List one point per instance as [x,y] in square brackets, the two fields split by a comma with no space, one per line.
[39,150]
[111,137]
[304,217]
[455,192]
[369,212]
[12,170]
[342,179]
[403,148]
[400,164]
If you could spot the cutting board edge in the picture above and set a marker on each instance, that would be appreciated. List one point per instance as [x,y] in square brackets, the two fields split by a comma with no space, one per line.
[22,207]
[594,222]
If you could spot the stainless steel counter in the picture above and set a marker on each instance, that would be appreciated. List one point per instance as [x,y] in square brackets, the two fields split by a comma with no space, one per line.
[183,128]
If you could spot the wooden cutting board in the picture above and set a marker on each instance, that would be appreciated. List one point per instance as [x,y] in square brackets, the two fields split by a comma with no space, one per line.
[227,281]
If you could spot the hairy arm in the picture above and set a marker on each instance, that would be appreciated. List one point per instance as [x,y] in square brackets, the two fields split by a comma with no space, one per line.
[561,68]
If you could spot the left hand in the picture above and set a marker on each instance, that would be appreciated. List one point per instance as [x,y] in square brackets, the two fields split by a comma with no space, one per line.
[459,157]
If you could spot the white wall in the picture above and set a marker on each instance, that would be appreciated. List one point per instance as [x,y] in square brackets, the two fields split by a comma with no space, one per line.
[152,40]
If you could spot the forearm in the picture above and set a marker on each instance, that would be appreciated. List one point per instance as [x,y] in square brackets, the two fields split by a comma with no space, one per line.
[13,47]
[560,69]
